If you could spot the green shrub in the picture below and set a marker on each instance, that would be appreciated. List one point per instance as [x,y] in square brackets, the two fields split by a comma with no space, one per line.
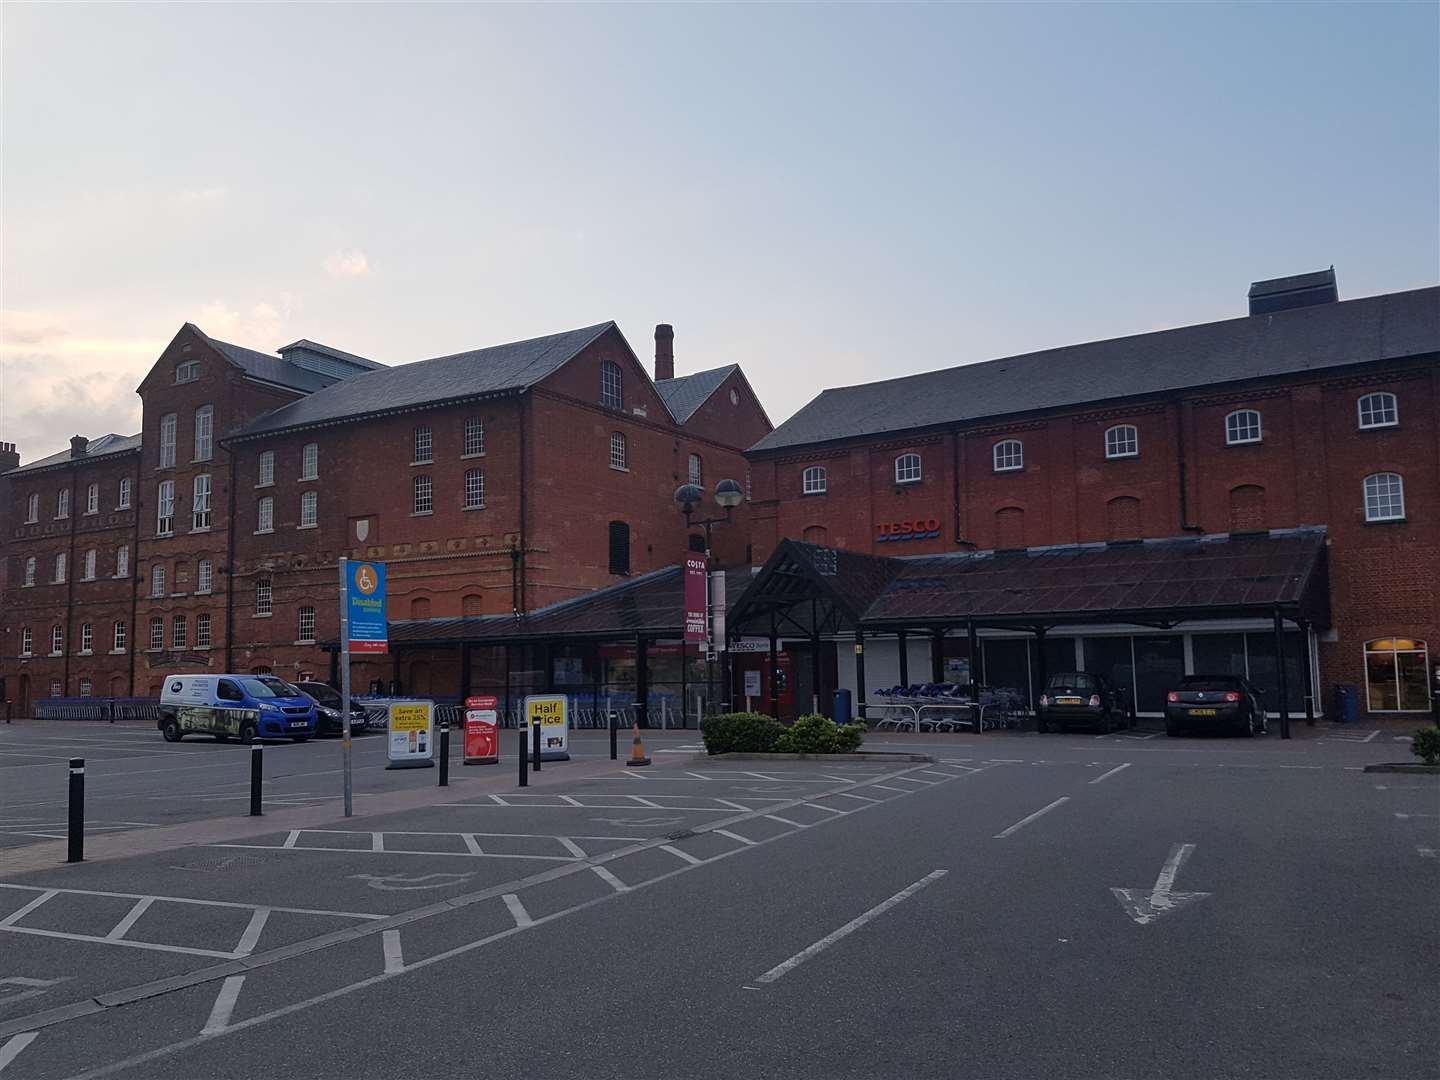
[815,734]
[749,733]
[1425,744]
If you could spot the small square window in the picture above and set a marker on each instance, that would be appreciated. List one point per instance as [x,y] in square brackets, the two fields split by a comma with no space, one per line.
[1378,410]
[1242,426]
[1009,455]
[1122,441]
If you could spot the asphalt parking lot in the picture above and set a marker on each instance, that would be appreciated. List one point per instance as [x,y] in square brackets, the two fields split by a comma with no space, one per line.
[1020,906]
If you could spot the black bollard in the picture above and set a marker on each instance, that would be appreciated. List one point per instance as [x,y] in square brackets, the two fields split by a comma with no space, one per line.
[444,753]
[524,757]
[77,810]
[535,744]
[614,749]
[256,771]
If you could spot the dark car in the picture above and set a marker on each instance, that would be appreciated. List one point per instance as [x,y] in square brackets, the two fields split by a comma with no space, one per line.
[327,709]
[1080,699]
[1215,703]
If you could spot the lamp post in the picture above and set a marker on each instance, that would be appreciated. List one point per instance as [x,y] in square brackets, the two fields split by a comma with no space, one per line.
[728,495]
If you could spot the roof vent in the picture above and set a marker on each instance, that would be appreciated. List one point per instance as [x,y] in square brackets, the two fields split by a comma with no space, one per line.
[324,360]
[1302,290]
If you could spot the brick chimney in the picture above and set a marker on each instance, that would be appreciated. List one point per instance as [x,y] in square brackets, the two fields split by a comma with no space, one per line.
[9,457]
[78,446]
[664,352]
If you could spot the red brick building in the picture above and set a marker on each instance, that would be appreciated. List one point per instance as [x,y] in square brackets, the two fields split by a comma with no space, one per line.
[1308,411]
[489,481]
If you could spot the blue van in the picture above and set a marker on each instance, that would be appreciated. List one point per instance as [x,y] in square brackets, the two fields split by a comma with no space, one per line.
[244,707]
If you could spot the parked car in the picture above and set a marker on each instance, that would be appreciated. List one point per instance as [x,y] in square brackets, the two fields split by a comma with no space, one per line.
[327,708]
[1215,703]
[246,707]
[1081,699]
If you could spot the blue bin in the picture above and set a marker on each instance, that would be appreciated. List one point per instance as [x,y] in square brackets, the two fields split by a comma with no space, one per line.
[840,707]
[1346,708]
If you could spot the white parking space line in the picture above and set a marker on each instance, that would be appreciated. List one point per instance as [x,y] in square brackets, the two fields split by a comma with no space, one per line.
[1112,772]
[735,805]
[782,820]
[854,924]
[517,910]
[10,1050]
[224,1005]
[641,801]
[290,840]
[1427,852]
[862,798]
[395,851]
[736,836]
[377,841]
[15,916]
[96,939]
[1026,820]
[827,809]
[887,787]
[572,847]
[1407,817]
[47,893]
[569,800]
[394,958]
[253,929]
[131,918]
[471,844]
[681,854]
[610,879]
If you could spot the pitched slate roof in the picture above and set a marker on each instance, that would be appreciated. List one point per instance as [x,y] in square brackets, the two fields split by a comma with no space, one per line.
[267,368]
[314,346]
[1281,343]
[104,446]
[685,394]
[500,368]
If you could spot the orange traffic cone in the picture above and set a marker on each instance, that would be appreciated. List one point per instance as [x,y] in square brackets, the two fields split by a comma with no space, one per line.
[637,750]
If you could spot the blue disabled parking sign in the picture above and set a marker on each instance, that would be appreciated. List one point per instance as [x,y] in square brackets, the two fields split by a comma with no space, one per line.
[364,601]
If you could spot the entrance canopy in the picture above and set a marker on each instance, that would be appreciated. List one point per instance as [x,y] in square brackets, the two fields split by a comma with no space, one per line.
[805,588]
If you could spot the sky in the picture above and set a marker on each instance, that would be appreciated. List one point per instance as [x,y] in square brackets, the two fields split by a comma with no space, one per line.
[824,194]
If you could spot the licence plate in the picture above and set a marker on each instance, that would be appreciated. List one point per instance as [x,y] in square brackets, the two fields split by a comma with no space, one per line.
[299,723]
[1202,712]
[1067,701]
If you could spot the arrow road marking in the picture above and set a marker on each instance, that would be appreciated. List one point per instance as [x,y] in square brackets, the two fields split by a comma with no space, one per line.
[1145,907]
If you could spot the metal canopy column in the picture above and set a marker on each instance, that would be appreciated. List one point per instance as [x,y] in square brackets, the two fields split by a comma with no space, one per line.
[1280,674]
[1041,675]
[860,673]
[814,660]
[937,656]
[1309,675]
[642,681]
[974,661]
[900,644]
[771,682]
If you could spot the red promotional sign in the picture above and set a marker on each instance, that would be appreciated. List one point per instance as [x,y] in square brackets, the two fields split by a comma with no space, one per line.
[694,599]
[482,736]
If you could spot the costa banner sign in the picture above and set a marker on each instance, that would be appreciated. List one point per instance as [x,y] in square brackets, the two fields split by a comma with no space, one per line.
[909,529]
[694,600]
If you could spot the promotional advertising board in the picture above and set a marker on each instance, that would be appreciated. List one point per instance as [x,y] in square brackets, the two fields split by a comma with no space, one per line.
[411,735]
[550,712]
[482,734]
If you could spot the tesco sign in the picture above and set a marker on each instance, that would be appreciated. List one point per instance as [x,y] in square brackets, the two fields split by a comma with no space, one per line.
[909,529]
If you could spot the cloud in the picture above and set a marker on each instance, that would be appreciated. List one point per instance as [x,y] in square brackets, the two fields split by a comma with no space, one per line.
[343,264]
[204,196]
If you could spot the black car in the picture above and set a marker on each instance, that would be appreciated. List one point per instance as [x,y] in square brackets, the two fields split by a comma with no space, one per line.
[327,709]
[1215,703]
[1080,699]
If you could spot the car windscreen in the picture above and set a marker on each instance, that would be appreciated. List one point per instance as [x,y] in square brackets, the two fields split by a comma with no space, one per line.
[1073,680]
[1210,682]
[267,686]
[325,695]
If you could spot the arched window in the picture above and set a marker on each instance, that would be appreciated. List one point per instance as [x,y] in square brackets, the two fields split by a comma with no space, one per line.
[619,547]
[200,503]
[472,604]
[1122,440]
[1384,497]
[1242,426]
[87,571]
[92,499]
[122,501]
[1008,455]
[202,630]
[30,571]
[32,508]
[420,607]
[179,632]
[1247,508]
[1009,528]
[1396,675]
[62,503]
[204,432]
[813,480]
[265,515]
[59,567]
[619,458]
[1378,410]
[611,385]
[309,509]
[815,534]
[696,473]
[157,580]
[265,472]
[122,561]
[310,461]
[424,446]
[204,576]
[1122,516]
[907,469]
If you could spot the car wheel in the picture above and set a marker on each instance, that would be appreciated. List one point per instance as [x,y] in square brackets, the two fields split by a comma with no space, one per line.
[171,730]
[248,732]
[1247,729]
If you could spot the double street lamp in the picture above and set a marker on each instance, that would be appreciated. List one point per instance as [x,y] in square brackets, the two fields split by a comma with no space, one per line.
[688,498]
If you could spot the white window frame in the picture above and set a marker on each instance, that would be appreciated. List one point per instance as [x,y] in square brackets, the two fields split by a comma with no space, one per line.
[179,632]
[1243,427]
[264,597]
[612,385]
[474,439]
[27,641]
[204,433]
[1122,441]
[305,621]
[1013,459]
[167,440]
[92,498]
[310,461]
[157,581]
[122,498]
[30,572]
[117,636]
[87,638]
[32,508]
[619,452]
[57,640]
[122,561]
[695,470]
[62,503]
[814,481]
[87,687]
[423,442]
[474,494]
[87,568]
[309,509]
[200,503]
[187,372]
[909,469]
[422,495]
[165,509]
[1384,500]
[203,639]
[204,577]
[157,633]
[61,568]
[265,469]
[1379,403]
[265,515]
